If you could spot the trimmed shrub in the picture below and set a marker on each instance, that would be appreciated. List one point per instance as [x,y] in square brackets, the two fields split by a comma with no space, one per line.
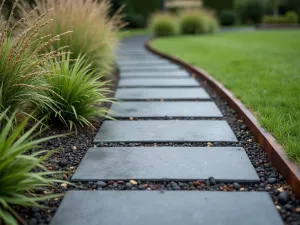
[193,22]
[292,17]
[289,18]
[213,25]
[22,77]
[18,180]
[197,22]
[227,18]
[163,24]
[77,89]
[94,31]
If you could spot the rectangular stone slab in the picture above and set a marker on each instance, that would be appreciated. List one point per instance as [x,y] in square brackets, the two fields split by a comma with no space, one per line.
[165,67]
[165,131]
[225,164]
[146,65]
[142,62]
[166,208]
[161,93]
[162,109]
[139,57]
[161,82]
[179,73]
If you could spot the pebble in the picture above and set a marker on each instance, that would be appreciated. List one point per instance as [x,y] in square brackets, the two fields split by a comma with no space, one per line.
[128,185]
[111,182]
[272,180]
[288,207]
[74,148]
[133,182]
[212,181]
[142,187]
[197,183]
[236,186]
[297,210]
[63,163]
[101,184]
[64,185]
[283,197]
[33,221]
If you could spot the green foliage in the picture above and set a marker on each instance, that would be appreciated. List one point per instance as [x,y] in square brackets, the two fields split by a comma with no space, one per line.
[250,11]
[219,5]
[260,68]
[135,21]
[213,25]
[164,25]
[77,90]
[292,17]
[137,11]
[227,18]
[197,22]
[289,18]
[22,78]
[193,22]
[18,181]
[94,32]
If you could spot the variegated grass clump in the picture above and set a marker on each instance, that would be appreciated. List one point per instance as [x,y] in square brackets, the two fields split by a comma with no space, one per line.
[95,33]
[18,181]
[22,77]
[78,90]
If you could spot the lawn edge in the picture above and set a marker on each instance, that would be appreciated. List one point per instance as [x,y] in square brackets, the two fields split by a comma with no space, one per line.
[274,150]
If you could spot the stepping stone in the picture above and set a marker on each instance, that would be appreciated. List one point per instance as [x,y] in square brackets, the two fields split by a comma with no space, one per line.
[165,131]
[161,93]
[171,67]
[162,109]
[121,58]
[147,65]
[161,74]
[166,208]
[162,82]
[142,62]
[225,164]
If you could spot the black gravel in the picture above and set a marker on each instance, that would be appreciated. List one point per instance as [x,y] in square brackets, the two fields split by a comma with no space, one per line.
[73,148]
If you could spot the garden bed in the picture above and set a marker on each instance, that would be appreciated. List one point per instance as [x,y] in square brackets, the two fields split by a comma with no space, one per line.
[265,26]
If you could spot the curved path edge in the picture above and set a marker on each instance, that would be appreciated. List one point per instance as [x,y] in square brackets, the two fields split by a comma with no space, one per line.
[274,150]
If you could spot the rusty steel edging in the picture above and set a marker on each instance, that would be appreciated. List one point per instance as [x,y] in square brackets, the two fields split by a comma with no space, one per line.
[275,151]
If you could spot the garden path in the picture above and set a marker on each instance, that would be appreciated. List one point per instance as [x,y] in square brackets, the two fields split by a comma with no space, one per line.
[161,108]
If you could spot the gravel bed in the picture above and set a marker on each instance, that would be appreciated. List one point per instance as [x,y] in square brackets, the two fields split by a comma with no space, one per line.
[73,148]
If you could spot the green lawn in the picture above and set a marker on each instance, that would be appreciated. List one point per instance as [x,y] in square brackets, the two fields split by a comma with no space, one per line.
[261,68]
[134,32]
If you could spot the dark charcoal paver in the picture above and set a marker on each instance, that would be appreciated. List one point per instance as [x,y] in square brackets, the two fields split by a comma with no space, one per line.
[165,131]
[166,208]
[149,74]
[139,57]
[162,109]
[161,93]
[143,62]
[225,164]
[154,82]
[158,68]
[147,66]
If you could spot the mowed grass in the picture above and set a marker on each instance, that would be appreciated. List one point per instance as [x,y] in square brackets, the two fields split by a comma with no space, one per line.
[261,68]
